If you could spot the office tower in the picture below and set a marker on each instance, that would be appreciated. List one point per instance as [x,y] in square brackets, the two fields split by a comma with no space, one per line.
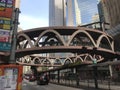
[109,11]
[77,13]
[88,8]
[103,13]
[64,13]
[73,13]
[57,12]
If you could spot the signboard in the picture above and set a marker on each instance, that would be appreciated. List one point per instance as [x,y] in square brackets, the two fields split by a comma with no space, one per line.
[6,8]
[94,61]
[6,17]
[2,79]
[5,46]
[4,39]
[5,23]
[6,13]
[4,36]
[11,77]
[4,32]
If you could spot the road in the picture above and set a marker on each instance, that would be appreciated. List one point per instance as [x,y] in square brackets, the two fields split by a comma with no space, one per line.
[33,86]
[26,85]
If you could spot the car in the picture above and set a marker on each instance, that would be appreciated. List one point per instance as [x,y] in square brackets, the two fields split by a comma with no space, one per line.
[26,76]
[43,79]
[32,78]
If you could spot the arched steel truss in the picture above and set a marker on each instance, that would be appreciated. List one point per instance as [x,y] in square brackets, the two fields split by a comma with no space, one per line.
[86,43]
[52,62]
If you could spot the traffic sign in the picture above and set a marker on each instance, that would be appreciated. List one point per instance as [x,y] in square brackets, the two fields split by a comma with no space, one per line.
[5,46]
[94,61]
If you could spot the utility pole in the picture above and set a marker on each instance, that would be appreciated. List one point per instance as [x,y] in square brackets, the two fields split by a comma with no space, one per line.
[14,32]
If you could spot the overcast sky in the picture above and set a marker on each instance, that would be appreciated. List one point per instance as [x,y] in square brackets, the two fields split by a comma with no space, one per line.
[34,13]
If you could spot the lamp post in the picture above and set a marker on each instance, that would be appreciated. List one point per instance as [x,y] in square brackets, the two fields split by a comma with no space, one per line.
[14,32]
[95,72]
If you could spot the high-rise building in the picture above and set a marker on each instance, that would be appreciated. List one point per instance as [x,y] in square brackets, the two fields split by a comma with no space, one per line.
[88,8]
[64,13]
[103,13]
[77,13]
[109,11]
[57,12]
[80,12]
[73,13]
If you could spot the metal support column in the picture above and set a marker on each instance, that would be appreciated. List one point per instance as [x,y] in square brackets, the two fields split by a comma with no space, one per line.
[58,76]
[14,36]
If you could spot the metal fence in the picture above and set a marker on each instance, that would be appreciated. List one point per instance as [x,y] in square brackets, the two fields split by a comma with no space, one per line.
[95,77]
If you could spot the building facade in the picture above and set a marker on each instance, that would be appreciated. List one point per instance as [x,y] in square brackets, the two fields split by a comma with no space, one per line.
[64,13]
[81,12]
[73,13]
[88,8]
[109,11]
[56,13]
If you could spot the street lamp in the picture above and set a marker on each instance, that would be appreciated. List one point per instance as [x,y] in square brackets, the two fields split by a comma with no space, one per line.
[95,72]
[14,32]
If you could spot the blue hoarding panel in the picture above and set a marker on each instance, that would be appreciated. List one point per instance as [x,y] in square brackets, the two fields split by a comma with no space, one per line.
[5,46]
[4,32]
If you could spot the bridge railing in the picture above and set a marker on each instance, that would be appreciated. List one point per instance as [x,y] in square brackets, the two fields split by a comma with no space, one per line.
[98,25]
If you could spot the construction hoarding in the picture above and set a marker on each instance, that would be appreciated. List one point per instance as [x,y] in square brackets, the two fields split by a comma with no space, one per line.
[11,77]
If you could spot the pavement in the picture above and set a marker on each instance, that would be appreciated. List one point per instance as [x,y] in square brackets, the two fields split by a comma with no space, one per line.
[91,86]
[82,86]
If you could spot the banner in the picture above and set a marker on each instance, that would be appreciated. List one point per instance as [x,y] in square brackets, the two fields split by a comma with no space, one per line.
[6,13]
[5,23]
[4,39]
[6,17]
[5,46]
[11,77]
[4,32]
[6,8]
